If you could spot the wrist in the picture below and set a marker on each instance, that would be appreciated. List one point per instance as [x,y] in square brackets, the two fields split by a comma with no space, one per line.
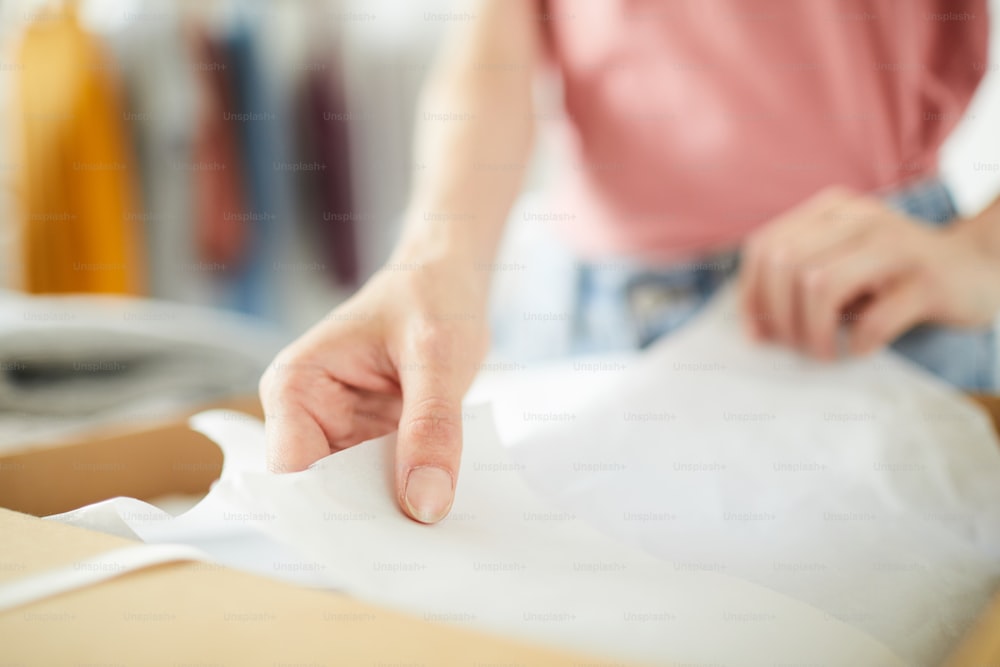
[441,258]
[453,239]
[982,230]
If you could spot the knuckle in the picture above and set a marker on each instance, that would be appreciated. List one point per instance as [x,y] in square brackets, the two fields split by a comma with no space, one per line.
[435,341]
[815,281]
[434,424]
[780,256]
[286,380]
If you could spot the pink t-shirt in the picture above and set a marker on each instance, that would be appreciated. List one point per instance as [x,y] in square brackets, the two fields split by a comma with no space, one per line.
[692,122]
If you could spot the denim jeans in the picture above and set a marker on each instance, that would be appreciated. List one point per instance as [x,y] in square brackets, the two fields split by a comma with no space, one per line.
[619,304]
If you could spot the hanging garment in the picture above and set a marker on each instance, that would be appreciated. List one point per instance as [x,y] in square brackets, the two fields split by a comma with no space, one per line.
[79,231]
[160,76]
[326,137]
[217,174]
[255,125]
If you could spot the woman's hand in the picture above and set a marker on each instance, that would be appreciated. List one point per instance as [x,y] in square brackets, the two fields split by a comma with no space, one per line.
[847,259]
[402,352]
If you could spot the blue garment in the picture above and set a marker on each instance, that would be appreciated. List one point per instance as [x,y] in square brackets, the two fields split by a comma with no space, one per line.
[619,305]
[254,290]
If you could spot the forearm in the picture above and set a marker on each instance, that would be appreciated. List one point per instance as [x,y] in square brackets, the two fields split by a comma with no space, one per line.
[474,138]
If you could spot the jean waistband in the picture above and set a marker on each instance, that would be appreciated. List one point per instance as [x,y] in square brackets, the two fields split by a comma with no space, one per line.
[927,200]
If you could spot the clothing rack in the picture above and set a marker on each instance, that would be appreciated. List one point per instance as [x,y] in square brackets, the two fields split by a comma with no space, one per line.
[216,153]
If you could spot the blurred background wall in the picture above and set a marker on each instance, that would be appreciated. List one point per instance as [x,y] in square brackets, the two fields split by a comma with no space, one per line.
[249,155]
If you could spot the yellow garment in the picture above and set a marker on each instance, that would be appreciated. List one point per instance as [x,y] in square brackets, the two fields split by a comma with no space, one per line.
[79,230]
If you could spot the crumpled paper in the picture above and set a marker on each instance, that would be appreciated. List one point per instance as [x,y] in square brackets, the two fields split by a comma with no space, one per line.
[865,487]
[505,560]
[751,507]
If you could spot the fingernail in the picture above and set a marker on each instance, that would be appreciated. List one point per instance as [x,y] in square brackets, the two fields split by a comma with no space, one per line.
[429,493]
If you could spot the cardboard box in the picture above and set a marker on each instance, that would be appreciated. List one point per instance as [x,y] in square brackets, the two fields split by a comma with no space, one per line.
[139,460]
[187,613]
[197,614]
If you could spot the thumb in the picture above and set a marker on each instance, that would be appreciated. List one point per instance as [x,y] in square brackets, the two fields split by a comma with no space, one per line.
[429,444]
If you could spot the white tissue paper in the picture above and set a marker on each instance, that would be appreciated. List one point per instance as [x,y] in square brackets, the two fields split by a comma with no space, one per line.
[865,487]
[222,525]
[504,561]
[754,508]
